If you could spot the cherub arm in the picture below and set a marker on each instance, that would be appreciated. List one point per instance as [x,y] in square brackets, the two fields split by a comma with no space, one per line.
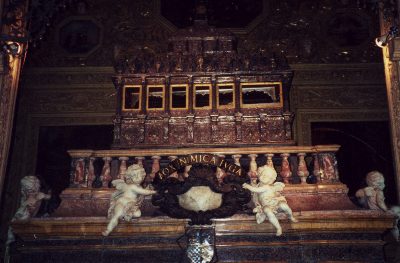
[278,186]
[258,189]
[380,200]
[142,191]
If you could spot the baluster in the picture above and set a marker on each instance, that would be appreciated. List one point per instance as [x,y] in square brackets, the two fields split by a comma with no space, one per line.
[237,157]
[269,160]
[91,175]
[285,172]
[317,170]
[72,171]
[302,170]
[171,159]
[253,168]
[139,160]
[122,167]
[106,172]
[155,167]
[220,173]
[187,169]
[79,174]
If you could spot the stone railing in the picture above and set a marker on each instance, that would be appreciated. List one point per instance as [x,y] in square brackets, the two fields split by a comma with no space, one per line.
[294,164]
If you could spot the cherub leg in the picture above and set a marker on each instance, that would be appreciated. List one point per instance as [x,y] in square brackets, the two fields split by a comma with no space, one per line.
[137,213]
[274,221]
[118,211]
[285,208]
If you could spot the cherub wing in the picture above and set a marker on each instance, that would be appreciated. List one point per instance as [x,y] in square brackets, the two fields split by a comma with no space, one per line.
[119,184]
[278,186]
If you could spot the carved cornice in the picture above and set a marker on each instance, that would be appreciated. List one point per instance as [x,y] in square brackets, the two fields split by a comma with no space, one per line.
[304,74]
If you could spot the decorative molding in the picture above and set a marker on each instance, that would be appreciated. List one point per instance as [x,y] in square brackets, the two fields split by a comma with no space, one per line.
[334,96]
[306,117]
[68,101]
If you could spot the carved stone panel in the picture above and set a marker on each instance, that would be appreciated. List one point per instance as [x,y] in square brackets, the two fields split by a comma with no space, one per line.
[178,133]
[130,133]
[226,132]
[154,131]
[202,131]
[250,130]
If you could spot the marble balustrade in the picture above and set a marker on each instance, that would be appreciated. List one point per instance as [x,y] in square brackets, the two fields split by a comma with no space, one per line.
[294,164]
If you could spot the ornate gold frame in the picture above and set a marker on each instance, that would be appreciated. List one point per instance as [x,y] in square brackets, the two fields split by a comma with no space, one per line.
[140,97]
[187,96]
[194,96]
[163,97]
[262,105]
[233,98]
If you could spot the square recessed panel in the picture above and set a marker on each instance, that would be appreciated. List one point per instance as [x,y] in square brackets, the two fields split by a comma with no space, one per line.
[79,36]
[221,13]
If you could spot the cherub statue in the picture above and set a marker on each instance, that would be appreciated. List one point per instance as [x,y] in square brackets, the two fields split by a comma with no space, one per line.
[269,199]
[126,200]
[372,197]
[31,198]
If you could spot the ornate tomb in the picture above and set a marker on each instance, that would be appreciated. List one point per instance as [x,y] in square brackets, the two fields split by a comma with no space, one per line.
[201,119]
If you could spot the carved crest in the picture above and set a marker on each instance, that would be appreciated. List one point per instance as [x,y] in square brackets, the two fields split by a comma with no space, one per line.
[200,196]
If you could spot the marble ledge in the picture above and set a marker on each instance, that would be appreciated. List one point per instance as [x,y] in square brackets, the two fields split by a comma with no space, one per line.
[358,221]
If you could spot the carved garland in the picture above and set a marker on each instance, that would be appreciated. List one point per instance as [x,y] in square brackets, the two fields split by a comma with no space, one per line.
[202,173]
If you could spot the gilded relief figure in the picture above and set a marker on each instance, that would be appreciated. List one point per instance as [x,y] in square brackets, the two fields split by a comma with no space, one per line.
[128,197]
[269,200]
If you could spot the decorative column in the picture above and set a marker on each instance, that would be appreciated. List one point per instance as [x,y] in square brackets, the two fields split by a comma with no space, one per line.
[166,128]
[155,167]
[253,168]
[237,157]
[186,172]
[238,126]
[269,160]
[142,127]
[118,83]
[106,172]
[391,59]
[91,174]
[139,160]
[302,170]
[14,30]
[190,127]
[317,170]
[214,127]
[286,174]
[79,173]
[122,167]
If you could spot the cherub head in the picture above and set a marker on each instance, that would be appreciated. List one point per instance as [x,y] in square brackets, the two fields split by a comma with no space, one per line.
[376,180]
[30,184]
[266,174]
[135,174]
